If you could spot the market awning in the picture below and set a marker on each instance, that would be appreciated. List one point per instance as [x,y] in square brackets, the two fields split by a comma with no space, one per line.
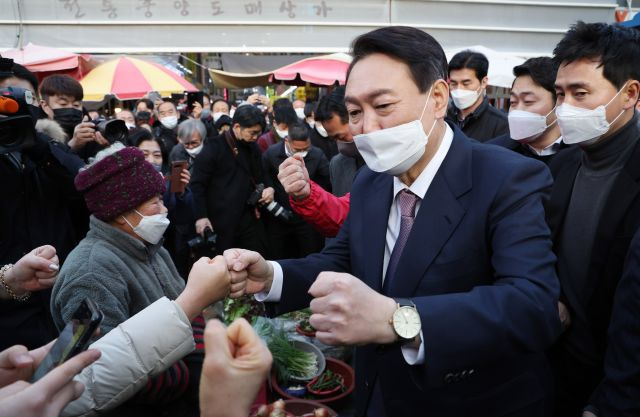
[44,60]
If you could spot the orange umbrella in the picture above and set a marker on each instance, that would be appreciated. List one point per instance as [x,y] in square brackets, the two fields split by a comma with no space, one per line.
[130,79]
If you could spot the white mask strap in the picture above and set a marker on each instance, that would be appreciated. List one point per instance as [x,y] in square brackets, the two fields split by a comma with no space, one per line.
[617,94]
[425,104]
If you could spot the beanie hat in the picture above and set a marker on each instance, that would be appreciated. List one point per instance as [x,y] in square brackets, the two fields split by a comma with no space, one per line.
[118,183]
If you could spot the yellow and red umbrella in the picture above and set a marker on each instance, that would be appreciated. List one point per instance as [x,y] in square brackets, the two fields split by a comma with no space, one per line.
[130,79]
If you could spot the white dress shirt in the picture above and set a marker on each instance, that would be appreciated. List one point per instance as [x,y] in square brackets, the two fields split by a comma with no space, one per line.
[551,149]
[419,187]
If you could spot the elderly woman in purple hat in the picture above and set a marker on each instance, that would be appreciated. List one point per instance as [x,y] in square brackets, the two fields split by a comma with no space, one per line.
[122,266]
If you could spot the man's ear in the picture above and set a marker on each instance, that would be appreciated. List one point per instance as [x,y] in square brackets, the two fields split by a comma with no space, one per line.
[441,96]
[484,82]
[633,94]
[45,107]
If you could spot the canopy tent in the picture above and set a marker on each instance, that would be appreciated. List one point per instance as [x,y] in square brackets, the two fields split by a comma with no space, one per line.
[43,60]
[500,64]
[130,78]
[326,70]
[321,70]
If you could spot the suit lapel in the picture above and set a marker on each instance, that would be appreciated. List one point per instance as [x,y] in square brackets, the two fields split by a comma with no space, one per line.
[374,230]
[561,196]
[439,215]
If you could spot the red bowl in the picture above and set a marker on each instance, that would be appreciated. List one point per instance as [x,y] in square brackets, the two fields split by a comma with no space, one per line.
[301,408]
[338,367]
[304,332]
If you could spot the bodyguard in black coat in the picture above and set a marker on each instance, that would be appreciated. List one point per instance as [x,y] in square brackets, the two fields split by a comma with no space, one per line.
[225,174]
[594,207]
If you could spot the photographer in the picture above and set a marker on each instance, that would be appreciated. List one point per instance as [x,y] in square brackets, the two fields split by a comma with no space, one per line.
[36,176]
[226,174]
[62,101]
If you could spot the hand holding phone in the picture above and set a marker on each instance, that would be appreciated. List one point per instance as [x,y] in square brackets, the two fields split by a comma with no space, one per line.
[177,185]
[73,339]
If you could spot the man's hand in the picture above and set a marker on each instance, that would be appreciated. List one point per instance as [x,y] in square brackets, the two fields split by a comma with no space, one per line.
[267,196]
[588,414]
[294,177]
[51,394]
[202,224]
[35,271]
[17,363]
[348,312]
[208,282]
[197,110]
[185,177]
[253,99]
[236,364]
[250,273]
[83,133]
[565,316]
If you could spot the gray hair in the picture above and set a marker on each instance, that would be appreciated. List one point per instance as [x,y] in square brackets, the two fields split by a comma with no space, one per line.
[186,129]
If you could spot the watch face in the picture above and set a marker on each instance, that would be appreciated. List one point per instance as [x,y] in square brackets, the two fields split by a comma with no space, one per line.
[406,322]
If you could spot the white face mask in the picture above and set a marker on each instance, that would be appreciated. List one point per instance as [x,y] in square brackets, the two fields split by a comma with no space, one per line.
[396,149]
[300,113]
[579,125]
[169,122]
[463,99]
[282,133]
[321,130]
[218,115]
[289,152]
[526,126]
[130,126]
[195,151]
[150,228]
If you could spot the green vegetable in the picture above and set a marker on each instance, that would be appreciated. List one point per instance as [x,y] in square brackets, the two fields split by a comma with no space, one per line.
[289,361]
[305,326]
[328,381]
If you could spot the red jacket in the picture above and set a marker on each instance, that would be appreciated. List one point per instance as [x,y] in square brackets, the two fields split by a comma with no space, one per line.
[323,210]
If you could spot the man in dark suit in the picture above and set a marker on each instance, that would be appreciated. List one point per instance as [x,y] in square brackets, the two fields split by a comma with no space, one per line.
[532,120]
[293,237]
[225,174]
[619,392]
[594,208]
[442,274]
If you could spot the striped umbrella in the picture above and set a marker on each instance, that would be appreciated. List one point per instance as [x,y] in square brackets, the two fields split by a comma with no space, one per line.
[130,79]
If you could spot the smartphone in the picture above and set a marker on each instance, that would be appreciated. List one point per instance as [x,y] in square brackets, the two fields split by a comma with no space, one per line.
[192,98]
[177,186]
[73,339]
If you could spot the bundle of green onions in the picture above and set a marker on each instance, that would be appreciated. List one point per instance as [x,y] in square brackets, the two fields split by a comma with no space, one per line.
[289,361]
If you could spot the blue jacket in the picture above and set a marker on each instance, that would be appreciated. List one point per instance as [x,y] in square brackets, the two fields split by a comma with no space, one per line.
[479,267]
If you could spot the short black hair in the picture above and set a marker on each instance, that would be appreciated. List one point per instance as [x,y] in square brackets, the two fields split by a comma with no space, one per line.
[617,49]
[283,112]
[542,70]
[167,100]
[138,135]
[22,73]
[299,131]
[471,60]
[419,50]
[217,100]
[309,108]
[332,104]
[63,85]
[248,116]
[147,103]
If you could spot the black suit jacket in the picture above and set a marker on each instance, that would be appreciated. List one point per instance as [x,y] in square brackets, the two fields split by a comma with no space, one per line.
[619,392]
[221,184]
[618,223]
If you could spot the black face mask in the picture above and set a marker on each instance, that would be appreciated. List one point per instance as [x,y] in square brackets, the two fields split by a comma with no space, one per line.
[68,119]
[347,148]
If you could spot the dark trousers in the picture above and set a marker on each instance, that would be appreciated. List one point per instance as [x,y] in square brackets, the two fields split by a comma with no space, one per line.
[292,240]
[251,233]
[575,381]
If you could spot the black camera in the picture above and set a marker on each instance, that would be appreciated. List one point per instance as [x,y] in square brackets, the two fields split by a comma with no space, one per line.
[204,243]
[17,129]
[115,130]
[274,208]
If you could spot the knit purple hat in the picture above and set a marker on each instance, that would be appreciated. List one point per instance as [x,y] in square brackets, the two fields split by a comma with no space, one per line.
[119,183]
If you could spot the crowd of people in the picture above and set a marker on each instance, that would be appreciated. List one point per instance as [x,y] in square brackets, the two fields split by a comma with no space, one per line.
[480,262]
